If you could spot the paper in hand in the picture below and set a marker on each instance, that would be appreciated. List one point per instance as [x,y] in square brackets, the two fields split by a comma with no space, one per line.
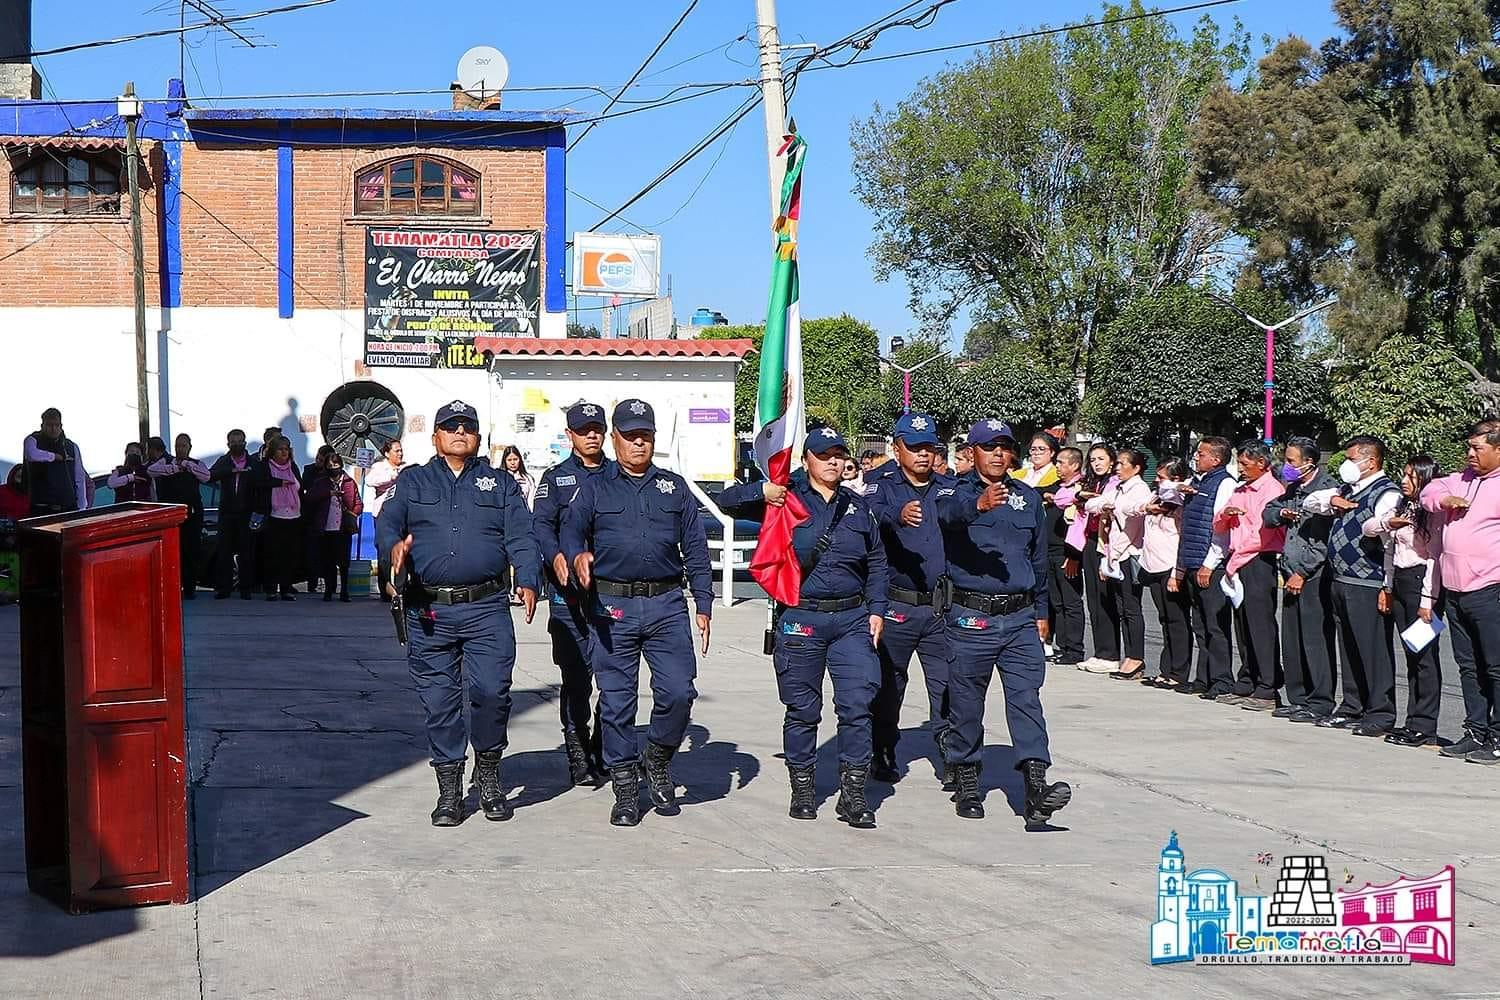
[1233,589]
[1420,635]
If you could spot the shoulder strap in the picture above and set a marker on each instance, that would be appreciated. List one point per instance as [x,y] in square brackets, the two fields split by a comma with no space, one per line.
[840,508]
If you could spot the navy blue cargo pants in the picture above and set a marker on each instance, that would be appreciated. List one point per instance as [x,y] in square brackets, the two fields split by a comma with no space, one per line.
[625,630]
[909,630]
[981,643]
[807,644]
[453,646]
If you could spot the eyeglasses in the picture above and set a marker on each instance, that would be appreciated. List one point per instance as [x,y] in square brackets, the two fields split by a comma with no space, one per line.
[460,427]
[1040,449]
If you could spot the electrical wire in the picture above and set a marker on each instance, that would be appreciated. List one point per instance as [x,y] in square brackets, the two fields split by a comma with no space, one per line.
[636,75]
[1038,33]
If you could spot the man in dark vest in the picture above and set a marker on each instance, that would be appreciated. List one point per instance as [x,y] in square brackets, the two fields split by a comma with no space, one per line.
[1200,569]
[1307,627]
[1357,562]
[55,476]
[178,477]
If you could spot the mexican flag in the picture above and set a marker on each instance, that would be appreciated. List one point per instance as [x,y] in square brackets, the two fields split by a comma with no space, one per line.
[779,416]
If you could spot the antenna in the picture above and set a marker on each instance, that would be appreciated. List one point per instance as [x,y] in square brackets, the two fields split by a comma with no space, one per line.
[482,72]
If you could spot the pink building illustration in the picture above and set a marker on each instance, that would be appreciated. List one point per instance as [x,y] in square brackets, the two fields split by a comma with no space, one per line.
[1413,916]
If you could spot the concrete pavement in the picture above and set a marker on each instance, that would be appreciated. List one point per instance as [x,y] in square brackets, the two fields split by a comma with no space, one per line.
[317,874]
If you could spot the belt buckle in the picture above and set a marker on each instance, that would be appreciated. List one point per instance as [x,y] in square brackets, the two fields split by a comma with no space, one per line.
[459,595]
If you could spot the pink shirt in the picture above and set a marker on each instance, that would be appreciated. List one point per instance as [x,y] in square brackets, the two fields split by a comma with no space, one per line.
[1470,558]
[1248,535]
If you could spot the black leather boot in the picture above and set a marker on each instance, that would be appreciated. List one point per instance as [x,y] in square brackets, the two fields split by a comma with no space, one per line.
[966,798]
[491,795]
[884,767]
[852,808]
[950,773]
[580,768]
[627,782]
[1042,799]
[804,801]
[450,803]
[659,779]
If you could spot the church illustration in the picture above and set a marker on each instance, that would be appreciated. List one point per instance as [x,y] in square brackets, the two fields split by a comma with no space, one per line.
[1194,910]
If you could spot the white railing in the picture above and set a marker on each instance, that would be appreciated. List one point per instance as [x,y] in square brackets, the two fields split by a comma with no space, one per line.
[731,550]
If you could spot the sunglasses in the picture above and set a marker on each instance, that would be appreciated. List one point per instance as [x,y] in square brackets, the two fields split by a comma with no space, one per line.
[460,427]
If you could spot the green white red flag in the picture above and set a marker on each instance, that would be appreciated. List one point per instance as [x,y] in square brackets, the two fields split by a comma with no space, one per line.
[780,418]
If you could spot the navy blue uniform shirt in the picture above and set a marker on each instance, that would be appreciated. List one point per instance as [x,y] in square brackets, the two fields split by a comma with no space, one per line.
[550,505]
[640,528]
[915,554]
[465,529]
[854,562]
[1001,551]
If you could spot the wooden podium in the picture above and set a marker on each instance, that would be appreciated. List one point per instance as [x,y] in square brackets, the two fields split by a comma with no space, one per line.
[103,740]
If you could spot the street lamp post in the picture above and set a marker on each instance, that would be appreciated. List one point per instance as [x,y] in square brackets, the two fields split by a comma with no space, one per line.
[896,344]
[1270,331]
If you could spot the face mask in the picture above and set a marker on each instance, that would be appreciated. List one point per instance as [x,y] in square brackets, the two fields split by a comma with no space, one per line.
[1350,472]
[1290,473]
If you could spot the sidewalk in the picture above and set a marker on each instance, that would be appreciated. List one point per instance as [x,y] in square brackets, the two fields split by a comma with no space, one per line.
[317,874]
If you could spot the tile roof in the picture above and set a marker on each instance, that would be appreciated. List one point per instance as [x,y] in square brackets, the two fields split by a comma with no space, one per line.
[533,347]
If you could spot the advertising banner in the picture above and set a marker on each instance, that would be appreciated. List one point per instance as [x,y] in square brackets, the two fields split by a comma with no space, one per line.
[430,292]
[610,264]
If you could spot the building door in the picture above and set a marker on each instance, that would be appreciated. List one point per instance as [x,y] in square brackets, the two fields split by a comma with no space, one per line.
[1210,941]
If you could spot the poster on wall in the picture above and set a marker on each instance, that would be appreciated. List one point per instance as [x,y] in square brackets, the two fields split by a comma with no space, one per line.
[430,292]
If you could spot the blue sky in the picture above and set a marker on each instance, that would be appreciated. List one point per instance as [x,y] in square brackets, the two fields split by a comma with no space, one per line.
[712,215]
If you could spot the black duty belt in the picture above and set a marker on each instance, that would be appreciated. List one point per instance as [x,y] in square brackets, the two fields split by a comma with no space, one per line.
[638,588]
[992,604]
[459,595]
[829,605]
[913,597]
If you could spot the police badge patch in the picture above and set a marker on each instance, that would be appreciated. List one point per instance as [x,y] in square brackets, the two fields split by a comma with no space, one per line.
[484,483]
[666,486]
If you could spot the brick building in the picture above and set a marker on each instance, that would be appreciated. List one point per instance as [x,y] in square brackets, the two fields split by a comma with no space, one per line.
[264,229]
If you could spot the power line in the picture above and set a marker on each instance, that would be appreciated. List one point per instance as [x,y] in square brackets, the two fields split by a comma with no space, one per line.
[639,70]
[1038,33]
[160,32]
[435,91]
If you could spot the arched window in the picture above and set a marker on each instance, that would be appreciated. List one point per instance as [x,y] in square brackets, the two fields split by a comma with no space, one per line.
[64,183]
[416,185]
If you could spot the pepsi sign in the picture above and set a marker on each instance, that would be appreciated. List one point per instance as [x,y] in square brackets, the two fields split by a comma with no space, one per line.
[605,264]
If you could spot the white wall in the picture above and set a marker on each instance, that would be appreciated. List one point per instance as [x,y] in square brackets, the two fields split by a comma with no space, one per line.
[247,368]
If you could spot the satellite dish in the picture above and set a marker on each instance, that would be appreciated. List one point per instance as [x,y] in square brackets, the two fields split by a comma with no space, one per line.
[482,71]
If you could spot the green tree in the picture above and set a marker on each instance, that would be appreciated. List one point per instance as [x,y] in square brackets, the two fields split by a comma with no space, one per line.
[1045,182]
[841,366]
[585,332]
[1367,168]
[1411,393]
[1176,363]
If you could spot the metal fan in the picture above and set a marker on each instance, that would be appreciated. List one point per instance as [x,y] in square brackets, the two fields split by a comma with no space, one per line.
[361,415]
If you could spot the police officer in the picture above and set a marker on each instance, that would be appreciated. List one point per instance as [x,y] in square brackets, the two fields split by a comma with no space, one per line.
[835,625]
[568,621]
[631,533]
[901,495]
[994,534]
[461,526]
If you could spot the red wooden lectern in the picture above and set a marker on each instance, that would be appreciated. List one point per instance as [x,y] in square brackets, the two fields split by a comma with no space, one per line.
[102,733]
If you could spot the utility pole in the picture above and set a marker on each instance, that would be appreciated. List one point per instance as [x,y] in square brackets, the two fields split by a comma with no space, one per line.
[1269,329]
[130,109]
[773,97]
